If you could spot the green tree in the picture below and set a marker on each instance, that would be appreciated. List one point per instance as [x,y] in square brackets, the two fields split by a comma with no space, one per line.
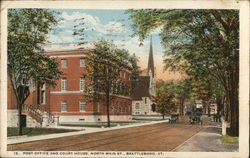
[164,103]
[198,42]
[180,89]
[202,91]
[104,64]
[27,30]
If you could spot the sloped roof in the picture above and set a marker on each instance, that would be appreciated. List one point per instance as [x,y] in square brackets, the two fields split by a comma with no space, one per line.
[142,88]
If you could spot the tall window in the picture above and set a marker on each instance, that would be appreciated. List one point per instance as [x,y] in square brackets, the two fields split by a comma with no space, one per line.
[82,106]
[125,108]
[121,74]
[63,106]
[145,100]
[120,109]
[82,62]
[137,105]
[98,107]
[112,108]
[64,84]
[117,107]
[43,97]
[82,84]
[43,94]
[64,63]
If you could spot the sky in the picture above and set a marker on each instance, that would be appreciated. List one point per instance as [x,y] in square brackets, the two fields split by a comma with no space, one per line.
[113,25]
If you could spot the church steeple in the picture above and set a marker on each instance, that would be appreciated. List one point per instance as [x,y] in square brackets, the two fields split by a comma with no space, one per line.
[151,59]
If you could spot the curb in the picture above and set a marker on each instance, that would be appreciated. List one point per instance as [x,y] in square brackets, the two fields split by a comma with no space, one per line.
[68,134]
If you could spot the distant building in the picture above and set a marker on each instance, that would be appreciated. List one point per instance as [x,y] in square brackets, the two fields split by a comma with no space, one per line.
[145,88]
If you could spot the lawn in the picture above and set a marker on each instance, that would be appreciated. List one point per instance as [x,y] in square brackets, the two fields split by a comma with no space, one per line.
[13,131]
[227,140]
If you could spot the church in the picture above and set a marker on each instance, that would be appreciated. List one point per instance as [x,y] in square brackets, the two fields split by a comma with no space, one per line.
[145,88]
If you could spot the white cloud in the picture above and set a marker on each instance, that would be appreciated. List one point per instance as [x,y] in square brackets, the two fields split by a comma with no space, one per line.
[91,23]
[61,38]
[115,27]
[88,19]
[132,45]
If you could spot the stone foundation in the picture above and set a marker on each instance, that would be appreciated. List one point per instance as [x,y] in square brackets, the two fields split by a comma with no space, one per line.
[30,122]
[93,119]
[12,118]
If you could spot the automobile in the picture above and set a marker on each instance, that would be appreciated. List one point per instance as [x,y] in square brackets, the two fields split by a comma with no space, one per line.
[173,118]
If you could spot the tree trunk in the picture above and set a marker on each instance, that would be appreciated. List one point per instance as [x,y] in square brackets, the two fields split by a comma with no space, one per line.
[181,106]
[232,95]
[20,127]
[209,110]
[107,104]
[163,118]
[107,95]
[219,104]
[234,107]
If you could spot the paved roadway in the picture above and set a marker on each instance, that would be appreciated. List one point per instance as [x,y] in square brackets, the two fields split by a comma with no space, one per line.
[157,137]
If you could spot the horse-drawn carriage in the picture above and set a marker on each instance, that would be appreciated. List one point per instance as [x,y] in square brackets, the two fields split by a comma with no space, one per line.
[195,116]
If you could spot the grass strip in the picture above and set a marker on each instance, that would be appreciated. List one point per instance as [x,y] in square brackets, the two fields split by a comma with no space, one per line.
[13,131]
[227,140]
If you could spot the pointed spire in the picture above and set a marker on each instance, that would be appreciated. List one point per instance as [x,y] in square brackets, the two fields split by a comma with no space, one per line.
[151,59]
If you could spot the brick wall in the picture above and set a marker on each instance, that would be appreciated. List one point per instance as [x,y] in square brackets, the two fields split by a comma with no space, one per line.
[72,95]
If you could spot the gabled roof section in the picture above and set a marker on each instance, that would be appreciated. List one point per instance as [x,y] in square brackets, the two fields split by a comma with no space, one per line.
[142,88]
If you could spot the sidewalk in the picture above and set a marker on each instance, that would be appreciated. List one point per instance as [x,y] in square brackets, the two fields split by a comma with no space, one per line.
[207,140]
[83,130]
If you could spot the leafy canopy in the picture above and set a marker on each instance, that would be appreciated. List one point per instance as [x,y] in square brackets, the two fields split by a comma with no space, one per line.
[27,31]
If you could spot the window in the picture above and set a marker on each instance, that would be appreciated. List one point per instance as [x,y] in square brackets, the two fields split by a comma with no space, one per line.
[117,107]
[64,63]
[23,81]
[120,109]
[125,108]
[145,100]
[64,84]
[98,107]
[112,108]
[63,106]
[82,62]
[43,97]
[82,106]
[43,86]
[121,74]
[82,84]
[43,94]
[137,106]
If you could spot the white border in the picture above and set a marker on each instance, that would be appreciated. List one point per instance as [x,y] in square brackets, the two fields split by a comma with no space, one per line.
[243,5]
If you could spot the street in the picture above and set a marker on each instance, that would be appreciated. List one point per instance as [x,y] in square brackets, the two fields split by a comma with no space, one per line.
[157,137]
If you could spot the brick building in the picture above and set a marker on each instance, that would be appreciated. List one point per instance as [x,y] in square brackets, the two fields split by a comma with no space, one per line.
[65,103]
